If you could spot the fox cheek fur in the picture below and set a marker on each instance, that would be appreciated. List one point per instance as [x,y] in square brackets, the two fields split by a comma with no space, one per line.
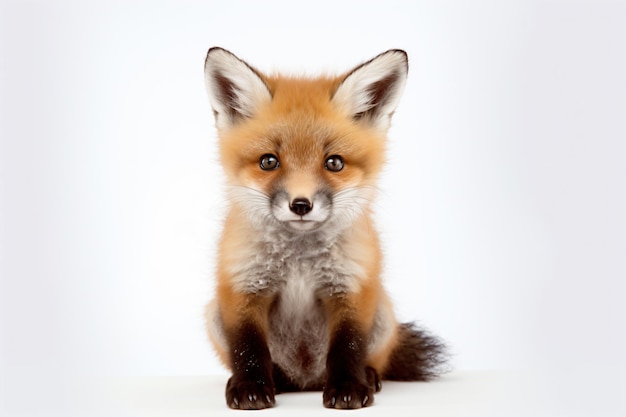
[299,301]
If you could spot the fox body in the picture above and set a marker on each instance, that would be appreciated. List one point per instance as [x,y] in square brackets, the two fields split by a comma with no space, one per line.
[299,302]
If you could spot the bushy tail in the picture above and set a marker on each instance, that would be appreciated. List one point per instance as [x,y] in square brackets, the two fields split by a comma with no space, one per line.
[419,356]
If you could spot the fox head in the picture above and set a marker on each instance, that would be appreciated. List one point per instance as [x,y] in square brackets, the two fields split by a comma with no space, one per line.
[303,153]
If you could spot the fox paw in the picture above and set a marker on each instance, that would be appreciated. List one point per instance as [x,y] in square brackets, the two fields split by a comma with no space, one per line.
[249,395]
[348,395]
[373,379]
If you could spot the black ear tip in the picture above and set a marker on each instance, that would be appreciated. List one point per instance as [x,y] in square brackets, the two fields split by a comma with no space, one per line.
[216,50]
[399,53]
[399,56]
[213,50]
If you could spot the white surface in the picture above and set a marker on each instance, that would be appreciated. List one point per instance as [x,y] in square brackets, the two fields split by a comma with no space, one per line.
[465,394]
[501,210]
[462,394]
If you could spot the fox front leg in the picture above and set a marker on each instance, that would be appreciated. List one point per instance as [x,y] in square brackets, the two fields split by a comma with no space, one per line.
[251,386]
[348,383]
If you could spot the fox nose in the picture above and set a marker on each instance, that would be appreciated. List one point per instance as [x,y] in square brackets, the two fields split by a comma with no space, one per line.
[301,206]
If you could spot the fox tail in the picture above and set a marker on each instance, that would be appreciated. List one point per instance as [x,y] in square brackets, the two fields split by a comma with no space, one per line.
[418,356]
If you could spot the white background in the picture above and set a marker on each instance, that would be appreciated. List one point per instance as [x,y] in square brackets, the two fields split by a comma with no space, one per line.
[502,208]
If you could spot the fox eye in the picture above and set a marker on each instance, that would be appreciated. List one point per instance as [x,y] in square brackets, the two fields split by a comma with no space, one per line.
[269,162]
[334,163]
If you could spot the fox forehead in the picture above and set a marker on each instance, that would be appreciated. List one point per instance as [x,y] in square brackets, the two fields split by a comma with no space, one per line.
[300,110]
[300,123]
[294,95]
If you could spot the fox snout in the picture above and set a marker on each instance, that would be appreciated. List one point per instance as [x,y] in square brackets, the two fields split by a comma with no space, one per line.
[301,206]
[301,212]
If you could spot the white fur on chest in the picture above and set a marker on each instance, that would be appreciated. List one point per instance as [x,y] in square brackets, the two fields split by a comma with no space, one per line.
[297,292]
[295,263]
[298,336]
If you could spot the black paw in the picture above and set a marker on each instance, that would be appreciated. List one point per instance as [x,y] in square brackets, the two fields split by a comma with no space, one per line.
[249,394]
[373,379]
[348,395]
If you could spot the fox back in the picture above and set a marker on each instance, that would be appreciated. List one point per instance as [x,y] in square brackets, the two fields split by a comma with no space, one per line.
[299,301]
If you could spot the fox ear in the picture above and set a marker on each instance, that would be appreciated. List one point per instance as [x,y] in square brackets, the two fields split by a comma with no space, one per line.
[371,91]
[236,90]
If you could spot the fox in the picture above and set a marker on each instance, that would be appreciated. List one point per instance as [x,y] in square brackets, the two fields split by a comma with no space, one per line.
[299,302]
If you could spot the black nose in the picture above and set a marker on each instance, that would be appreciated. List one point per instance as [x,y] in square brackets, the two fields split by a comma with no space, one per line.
[301,206]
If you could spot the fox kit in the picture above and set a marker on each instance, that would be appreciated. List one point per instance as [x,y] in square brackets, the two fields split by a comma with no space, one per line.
[299,302]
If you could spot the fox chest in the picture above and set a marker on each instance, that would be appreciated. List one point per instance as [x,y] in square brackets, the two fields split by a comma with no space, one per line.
[298,331]
[298,276]
[297,270]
